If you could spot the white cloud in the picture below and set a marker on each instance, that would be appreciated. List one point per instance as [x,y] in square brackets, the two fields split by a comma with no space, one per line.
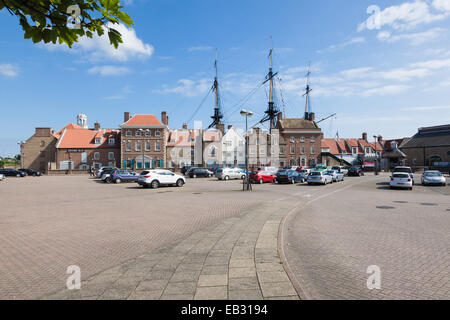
[187,87]
[109,70]
[200,48]
[385,90]
[427,108]
[433,64]
[8,70]
[98,48]
[405,16]
[414,38]
[344,44]
[442,5]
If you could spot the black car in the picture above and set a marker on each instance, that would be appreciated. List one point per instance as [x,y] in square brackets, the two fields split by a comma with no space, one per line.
[12,173]
[31,172]
[355,171]
[186,169]
[199,173]
[289,176]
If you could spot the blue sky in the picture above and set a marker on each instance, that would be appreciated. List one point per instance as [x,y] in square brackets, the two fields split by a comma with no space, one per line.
[387,75]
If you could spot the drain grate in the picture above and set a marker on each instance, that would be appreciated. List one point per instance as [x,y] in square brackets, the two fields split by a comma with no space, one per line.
[401,202]
[429,204]
[385,207]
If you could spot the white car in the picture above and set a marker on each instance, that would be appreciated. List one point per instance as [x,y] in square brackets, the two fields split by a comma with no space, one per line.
[335,175]
[156,178]
[99,173]
[407,170]
[433,177]
[2,177]
[230,173]
[401,180]
[319,177]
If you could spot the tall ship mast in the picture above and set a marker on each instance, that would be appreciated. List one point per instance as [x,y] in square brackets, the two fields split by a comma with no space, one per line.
[218,115]
[272,111]
[307,94]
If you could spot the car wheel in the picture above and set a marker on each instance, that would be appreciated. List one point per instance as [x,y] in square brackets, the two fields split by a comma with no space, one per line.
[194,176]
[118,181]
[180,183]
[155,184]
[108,180]
[227,178]
[261,181]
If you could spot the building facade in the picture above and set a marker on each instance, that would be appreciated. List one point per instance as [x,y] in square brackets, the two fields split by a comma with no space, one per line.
[39,150]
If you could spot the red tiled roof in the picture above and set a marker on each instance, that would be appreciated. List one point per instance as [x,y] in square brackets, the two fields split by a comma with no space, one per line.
[365,143]
[85,139]
[330,144]
[143,120]
[69,126]
[341,144]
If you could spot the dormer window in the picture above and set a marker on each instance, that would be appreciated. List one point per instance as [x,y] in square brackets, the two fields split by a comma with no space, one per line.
[111,141]
[354,150]
[368,150]
[98,140]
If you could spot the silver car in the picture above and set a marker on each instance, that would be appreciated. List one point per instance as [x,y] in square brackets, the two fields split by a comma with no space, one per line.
[335,175]
[230,173]
[433,177]
[2,177]
[319,177]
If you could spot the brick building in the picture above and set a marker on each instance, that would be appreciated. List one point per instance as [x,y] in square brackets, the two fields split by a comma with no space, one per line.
[300,141]
[144,141]
[429,147]
[82,149]
[40,149]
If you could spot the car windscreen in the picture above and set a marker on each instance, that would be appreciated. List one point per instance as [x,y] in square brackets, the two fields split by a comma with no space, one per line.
[433,174]
[143,173]
[315,174]
[407,170]
[400,175]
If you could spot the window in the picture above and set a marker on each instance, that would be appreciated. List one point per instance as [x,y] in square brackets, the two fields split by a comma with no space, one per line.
[213,151]
[313,150]
[303,150]
[147,146]
[282,150]
[147,133]
[98,140]
[262,151]
[313,138]
[292,139]
[158,145]
[354,150]
[157,133]
[302,139]
[111,141]
[138,133]
[292,150]
[96,155]
[368,150]
[128,134]
[111,156]
[128,146]
[138,146]
[326,150]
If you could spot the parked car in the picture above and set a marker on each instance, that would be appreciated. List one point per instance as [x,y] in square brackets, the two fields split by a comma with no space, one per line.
[119,176]
[401,180]
[262,177]
[319,177]
[106,175]
[99,172]
[13,173]
[31,172]
[340,169]
[189,171]
[186,169]
[200,173]
[289,176]
[335,175]
[269,169]
[433,178]
[157,178]
[355,171]
[230,173]
[2,177]
[305,173]
[407,170]
[291,168]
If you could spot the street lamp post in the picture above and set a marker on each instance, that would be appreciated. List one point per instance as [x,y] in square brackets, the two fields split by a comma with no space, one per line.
[142,131]
[21,143]
[246,114]
[376,156]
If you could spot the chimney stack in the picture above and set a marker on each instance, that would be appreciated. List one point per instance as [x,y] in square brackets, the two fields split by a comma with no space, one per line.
[164,118]
[96,126]
[221,128]
[126,116]
[312,116]
[185,126]
[364,136]
[380,139]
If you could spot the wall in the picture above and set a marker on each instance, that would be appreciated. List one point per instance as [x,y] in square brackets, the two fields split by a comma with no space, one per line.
[39,150]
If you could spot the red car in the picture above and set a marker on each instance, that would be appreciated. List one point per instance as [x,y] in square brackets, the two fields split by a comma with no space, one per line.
[262,177]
